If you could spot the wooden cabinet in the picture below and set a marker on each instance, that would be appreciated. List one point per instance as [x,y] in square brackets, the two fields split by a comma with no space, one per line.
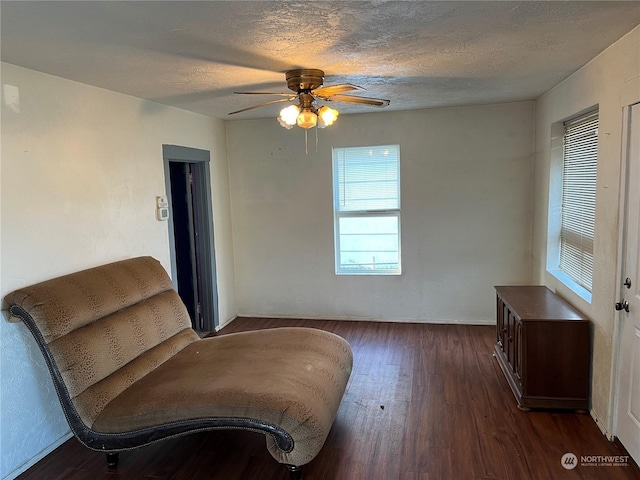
[543,347]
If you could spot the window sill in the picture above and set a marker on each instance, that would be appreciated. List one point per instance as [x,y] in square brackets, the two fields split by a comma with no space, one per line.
[370,273]
[571,284]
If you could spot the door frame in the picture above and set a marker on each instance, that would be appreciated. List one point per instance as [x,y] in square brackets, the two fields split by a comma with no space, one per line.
[625,159]
[200,160]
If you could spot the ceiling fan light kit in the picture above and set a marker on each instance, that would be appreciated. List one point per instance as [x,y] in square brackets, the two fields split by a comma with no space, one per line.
[307,85]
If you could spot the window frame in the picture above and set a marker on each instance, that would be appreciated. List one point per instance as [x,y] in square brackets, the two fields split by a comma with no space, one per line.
[583,284]
[364,213]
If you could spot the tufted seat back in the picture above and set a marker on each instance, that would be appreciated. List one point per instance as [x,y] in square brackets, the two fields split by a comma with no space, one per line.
[106,328]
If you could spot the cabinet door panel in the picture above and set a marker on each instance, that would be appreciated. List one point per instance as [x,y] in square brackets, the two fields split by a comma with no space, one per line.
[517,338]
[500,327]
[511,331]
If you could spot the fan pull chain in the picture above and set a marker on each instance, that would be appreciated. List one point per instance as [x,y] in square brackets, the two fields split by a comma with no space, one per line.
[306,143]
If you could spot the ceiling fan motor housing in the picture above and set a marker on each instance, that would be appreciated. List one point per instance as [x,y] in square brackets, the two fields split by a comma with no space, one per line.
[304,79]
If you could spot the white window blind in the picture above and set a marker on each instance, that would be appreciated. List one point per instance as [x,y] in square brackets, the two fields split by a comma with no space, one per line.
[579,198]
[367,178]
[367,209]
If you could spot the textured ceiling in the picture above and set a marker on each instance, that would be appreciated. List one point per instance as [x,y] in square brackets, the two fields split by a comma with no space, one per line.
[418,54]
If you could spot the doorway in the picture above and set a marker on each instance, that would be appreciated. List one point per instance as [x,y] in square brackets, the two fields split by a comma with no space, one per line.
[191,240]
[628,391]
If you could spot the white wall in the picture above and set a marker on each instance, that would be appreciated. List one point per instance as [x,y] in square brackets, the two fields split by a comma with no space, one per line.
[466,215]
[81,167]
[610,81]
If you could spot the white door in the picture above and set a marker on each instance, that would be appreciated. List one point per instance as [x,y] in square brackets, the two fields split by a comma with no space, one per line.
[628,404]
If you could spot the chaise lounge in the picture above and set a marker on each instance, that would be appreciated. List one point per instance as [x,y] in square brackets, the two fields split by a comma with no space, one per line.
[129,370]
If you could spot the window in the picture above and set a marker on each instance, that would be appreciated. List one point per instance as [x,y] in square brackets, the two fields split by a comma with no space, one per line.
[366,193]
[574,251]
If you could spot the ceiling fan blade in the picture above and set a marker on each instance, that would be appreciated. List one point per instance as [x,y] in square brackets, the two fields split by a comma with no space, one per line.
[260,105]
[375,102]
[197,47]
[290,95]
[335,89]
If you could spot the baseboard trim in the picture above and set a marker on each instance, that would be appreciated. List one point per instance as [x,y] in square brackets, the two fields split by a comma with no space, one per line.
[224,324]
[601,425]
[367,319]
[33,460]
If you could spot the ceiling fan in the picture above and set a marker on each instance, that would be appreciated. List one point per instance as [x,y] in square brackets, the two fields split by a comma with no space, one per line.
[307,83]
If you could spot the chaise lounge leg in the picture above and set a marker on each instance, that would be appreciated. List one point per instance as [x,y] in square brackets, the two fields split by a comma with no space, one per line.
[112,460]
[295,472]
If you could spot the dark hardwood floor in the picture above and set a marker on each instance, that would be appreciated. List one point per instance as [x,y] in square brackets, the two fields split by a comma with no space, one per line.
[424,402]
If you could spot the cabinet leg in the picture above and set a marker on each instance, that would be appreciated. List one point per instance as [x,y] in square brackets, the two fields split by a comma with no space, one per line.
[524,409]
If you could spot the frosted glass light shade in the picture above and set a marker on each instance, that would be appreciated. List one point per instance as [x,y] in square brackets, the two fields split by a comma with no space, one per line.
[327,115]
[289,115]
[307,119]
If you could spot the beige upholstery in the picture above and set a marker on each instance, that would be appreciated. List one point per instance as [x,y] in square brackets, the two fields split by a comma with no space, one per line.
[124,358]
